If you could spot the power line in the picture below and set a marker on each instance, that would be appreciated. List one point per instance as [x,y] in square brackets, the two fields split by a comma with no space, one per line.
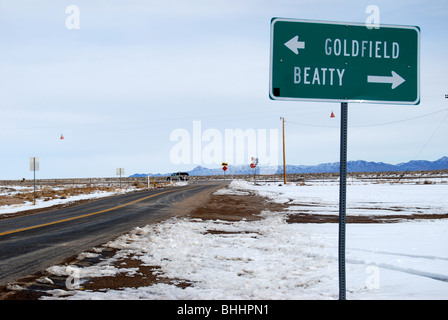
[370,125]
[432,135]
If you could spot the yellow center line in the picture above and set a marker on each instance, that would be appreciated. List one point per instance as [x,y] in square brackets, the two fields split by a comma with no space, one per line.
[89,214]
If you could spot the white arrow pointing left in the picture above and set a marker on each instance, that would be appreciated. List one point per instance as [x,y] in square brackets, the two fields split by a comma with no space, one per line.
[294,44]
[395,79]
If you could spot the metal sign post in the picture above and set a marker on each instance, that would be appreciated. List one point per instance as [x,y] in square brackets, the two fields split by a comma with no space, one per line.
[120,171]
[34,166]
[342,199]
[344,62]
[224,167]
[253,165]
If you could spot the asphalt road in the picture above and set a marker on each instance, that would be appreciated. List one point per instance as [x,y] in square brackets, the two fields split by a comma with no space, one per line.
[31,243]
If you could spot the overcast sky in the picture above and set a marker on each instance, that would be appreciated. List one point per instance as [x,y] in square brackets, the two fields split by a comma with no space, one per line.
[134,72]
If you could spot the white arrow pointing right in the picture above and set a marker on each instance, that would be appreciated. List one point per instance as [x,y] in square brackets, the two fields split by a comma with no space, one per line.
[395,79]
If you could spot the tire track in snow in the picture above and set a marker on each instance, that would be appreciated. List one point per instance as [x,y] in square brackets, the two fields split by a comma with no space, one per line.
[431,275]
[402,254]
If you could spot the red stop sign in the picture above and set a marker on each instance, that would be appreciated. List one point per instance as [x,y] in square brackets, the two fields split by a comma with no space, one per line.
[252,165]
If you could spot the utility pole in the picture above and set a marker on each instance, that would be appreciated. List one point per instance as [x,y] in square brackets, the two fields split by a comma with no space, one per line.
[284,160]
[34,170]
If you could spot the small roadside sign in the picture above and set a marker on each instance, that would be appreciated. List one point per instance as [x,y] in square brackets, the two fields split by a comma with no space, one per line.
[34,163]
[34,166]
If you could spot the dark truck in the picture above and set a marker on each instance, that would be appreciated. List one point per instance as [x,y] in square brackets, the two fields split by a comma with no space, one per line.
[178,176]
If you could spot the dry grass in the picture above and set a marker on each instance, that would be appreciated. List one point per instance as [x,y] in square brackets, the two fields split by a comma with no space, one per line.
[47,193]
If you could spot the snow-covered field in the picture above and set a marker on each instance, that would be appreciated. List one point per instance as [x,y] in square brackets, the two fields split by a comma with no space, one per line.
[271,259]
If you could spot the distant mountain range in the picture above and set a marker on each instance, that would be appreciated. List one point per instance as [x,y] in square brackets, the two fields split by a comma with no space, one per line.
[352,166]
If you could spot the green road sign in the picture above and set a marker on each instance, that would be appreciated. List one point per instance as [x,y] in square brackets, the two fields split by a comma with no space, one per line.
[344,62]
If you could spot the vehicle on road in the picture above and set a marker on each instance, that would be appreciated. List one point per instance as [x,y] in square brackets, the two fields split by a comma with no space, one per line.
[178,176]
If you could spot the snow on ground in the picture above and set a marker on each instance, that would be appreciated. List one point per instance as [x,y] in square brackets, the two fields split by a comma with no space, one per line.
[363,198]
[40,203]
[271,259]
